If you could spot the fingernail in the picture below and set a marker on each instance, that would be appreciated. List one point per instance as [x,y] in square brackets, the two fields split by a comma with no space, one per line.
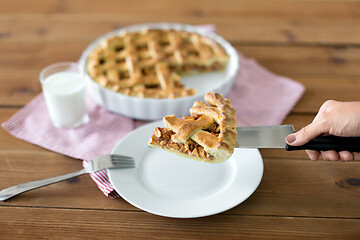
[290,139]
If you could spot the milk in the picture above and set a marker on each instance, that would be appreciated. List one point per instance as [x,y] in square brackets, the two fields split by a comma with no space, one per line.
[64,94]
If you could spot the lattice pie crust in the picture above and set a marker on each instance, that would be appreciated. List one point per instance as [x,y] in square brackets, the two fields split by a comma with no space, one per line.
[149,63]
[208,135]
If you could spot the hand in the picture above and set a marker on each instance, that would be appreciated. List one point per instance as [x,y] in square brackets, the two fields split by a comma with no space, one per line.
[334,118]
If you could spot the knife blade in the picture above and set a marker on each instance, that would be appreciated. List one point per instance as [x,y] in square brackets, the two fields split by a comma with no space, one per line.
[274,137]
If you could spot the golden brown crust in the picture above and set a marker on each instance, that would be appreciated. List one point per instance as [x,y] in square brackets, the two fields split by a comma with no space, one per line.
[162,138]
[211,127]
[149,63]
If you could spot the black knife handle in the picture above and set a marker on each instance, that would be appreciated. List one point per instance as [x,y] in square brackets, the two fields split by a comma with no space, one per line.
[324,143]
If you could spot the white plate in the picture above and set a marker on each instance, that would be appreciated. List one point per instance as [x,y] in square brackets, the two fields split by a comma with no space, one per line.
[155,109]
[169,185]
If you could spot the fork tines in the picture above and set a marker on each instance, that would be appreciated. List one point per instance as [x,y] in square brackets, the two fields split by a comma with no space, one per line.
[122,161]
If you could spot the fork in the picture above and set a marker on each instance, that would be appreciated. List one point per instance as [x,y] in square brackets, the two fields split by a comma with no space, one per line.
[98,163]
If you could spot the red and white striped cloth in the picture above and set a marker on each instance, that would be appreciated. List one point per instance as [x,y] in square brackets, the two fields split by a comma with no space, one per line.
[104,129]
[259,96]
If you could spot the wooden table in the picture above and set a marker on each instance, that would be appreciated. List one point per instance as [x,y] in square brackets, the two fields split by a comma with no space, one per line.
[314,42]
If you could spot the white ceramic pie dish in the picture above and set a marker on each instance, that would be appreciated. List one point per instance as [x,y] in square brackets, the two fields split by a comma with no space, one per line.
[153,109]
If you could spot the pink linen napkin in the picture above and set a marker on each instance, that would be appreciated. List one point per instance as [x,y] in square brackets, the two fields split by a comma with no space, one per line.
[32,123]
[259,96]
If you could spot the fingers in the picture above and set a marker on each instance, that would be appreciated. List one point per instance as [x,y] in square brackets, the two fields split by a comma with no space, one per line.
[333,118]
[333,156]
[320,125]
[346,156]
[313,155]
[305,134]
[330,155]
[342,156]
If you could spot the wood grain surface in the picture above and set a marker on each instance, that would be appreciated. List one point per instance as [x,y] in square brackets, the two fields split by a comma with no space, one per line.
[316,43]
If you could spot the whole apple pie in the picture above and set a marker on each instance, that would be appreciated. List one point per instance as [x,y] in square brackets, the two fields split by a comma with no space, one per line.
[150,63]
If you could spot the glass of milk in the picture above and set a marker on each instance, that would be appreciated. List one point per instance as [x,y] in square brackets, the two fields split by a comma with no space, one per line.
[64,91]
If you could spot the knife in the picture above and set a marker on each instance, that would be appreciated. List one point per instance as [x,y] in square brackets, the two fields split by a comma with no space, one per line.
[274,137]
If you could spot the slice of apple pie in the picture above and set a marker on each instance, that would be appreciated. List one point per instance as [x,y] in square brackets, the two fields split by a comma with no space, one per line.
[208,135]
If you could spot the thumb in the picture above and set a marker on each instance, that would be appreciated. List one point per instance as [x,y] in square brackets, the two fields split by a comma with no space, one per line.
[304,135]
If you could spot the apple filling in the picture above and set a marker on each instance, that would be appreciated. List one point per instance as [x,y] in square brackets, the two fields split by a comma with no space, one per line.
[162,138]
